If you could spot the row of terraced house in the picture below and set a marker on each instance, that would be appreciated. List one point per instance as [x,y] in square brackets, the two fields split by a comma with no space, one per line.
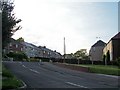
[31,50]
[101,48]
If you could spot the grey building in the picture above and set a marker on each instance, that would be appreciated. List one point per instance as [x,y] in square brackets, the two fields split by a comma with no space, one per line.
[40,52]
[31,50]
[96,51]
[48,53]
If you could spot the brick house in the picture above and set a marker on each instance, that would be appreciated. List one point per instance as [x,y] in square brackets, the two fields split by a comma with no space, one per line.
[113,46]
[14,46]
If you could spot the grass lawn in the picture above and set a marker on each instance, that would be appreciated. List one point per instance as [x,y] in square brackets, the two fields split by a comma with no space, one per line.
[9,81]
[108,69]
[102,69]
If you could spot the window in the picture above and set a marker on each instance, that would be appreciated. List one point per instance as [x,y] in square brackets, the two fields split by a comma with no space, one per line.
[10,44]
[43,51]
[94,49]
[16,46]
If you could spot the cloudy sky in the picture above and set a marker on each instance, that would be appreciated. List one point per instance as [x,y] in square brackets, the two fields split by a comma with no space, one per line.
[47,22]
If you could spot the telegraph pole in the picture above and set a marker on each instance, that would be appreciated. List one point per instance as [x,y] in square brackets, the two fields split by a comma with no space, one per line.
[64,50]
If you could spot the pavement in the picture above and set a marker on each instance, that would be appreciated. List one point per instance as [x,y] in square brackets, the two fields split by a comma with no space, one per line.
[47,75]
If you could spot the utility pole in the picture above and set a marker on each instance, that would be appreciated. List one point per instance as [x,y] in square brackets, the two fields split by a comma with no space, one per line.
[64,50]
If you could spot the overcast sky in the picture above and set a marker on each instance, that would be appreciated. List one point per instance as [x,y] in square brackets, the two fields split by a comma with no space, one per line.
[47,22]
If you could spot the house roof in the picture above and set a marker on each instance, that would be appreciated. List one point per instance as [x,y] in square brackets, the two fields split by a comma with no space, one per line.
[15,41]
[117,36]
[99,43]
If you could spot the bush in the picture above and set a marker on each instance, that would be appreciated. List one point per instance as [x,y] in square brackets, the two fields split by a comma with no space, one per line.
[104,57]
[11,83]
[33,60]
[45,60]
[108,57]
[6,73]
[17,56]
[118,62]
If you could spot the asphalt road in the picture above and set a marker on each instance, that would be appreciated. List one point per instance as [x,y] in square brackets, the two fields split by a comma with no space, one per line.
[47,75]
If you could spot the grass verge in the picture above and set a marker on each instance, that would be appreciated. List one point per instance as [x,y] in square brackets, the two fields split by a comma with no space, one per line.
[105,70]
[9,81]
[101,69]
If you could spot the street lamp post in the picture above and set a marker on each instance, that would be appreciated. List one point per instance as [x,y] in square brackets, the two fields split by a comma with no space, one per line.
[64,50]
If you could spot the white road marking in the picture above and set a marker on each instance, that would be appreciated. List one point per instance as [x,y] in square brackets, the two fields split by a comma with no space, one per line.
[40,64]
[20,62]
[24,85]
[24,66]
[34,71]
[109,75]
[76,85]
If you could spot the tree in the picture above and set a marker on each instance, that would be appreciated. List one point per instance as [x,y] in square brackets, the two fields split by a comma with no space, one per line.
[17,56]
[20,39]
[104,57]
[108,57]
[81,54]
[118,61]
[69,56]
[9,22]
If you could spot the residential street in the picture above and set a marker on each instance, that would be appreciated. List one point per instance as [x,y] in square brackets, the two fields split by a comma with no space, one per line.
[47,75]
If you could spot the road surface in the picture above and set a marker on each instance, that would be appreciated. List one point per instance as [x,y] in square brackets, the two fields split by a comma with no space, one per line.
[47,75]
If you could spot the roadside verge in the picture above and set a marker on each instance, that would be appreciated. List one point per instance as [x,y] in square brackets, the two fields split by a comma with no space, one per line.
[100,69]
[9,81]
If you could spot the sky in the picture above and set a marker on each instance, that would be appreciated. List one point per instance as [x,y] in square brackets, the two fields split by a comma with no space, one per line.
[47,22]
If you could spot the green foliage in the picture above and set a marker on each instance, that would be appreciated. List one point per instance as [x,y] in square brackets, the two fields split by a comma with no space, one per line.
[104,57]
[118,62]
[17,56]
[33,60]
[11,83]
[105,70]
[69,56]
[81,54]
[45,60]
[9,22]
[8,80]
[6,73]
[102,69]
[20,39]
[108,56]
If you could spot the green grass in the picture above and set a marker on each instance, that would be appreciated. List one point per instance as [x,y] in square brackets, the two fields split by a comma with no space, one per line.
[109,69]
[102,69]
[100,66]
[105,70]
[9,81]
[6,73]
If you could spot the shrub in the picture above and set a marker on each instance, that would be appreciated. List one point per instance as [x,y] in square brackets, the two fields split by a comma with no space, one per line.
[104,57]
[108,57]
[17,56]
[33,60]
[45,60]
[118,61]
[6,72]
